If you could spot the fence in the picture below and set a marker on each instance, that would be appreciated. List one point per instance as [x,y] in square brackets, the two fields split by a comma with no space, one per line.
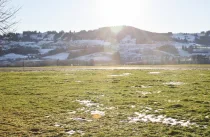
[31,63]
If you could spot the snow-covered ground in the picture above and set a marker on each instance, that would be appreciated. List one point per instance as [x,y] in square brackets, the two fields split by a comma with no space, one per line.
[23,44]
[127,47]
[183,53]
[12,56]
[179,45]
[128,39]
[182,36]
[43,42]
[50,37]
[91,42]
[60,56]
[44,51]
[101,56]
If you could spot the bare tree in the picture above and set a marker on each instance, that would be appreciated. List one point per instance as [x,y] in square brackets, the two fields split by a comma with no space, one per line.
[7,17]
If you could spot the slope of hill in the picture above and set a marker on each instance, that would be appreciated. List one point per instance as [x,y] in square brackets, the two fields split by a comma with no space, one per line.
[123,43]
[116,34]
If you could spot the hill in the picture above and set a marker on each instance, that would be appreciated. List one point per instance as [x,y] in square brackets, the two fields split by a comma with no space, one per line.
[109,45]
[117,33]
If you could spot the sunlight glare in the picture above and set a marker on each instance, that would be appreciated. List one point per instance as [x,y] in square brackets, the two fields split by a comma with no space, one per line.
[121,12]
[116,29]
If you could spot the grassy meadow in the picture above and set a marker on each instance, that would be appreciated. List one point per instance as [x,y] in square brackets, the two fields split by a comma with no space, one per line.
[105,103]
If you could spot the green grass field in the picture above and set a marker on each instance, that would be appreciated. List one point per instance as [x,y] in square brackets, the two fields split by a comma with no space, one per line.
[112,103]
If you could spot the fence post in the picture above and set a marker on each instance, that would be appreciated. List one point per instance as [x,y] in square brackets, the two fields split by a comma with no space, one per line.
[23,65]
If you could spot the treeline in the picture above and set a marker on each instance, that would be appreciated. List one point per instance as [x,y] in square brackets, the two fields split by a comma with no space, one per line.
[110,34]
[205,40]
[20,50]
[34,36]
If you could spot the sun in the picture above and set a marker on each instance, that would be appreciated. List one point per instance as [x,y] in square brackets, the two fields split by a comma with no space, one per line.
[121,12]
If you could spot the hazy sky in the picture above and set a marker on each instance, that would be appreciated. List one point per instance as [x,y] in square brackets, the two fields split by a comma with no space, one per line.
[76,15]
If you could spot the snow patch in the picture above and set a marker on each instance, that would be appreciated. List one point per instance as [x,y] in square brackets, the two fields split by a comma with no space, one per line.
[90,42]
[96,112]
[110,108]
[44,51]
[71,132]
[183,53]
[101,56]
[144,92]
[60,56]
[154,72]
[12,56]
[157,92]
[72,112]
[87,103]
[142,117]
[142,86]
[182,36]
[23,44]
[173,101]
[133,106]
[174,83]
[121,75]
[57,125]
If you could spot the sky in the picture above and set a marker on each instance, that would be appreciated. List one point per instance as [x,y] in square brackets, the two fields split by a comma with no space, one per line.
[75,15]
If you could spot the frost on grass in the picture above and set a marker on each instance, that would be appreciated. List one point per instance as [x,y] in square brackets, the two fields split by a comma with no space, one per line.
[144,92]
[72,132]
[173,101]
[154,72]
[133,106]
[109,108]
[157,92]
[146,109]
[72,112]
[158,110]
[143,86]
[88,103]
[174,83]
[142,117]
[121,75]
[91,107]
[98,112]
[57,125]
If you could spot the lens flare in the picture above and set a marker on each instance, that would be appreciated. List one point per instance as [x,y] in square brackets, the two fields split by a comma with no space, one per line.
[117,29]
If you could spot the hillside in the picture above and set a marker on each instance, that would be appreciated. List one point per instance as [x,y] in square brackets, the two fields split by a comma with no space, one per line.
[116,34]
[119,44]
[111,34]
